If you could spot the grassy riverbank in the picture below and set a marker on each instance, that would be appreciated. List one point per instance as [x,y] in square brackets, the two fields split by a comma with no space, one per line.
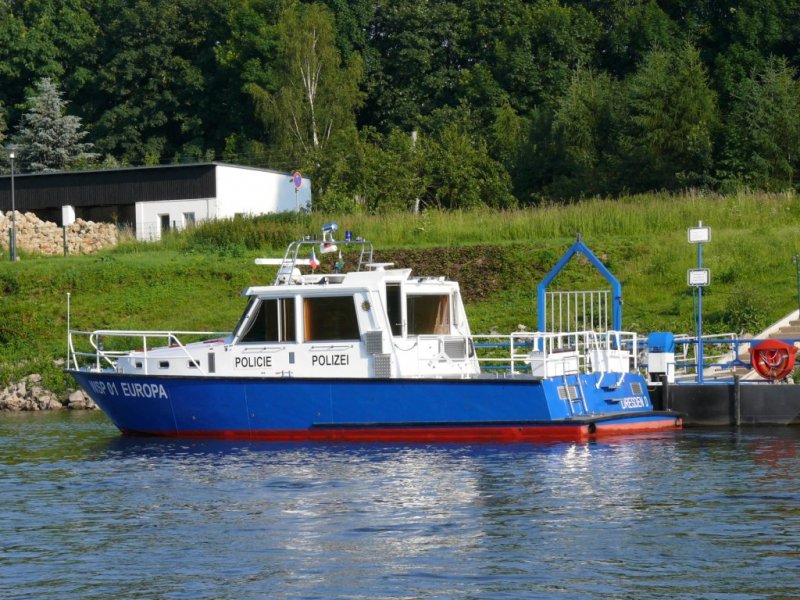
[191,280]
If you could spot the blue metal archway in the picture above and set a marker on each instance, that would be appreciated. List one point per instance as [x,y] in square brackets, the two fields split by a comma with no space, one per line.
[616,288]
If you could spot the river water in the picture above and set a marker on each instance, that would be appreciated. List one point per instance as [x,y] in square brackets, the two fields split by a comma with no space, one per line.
[86,513]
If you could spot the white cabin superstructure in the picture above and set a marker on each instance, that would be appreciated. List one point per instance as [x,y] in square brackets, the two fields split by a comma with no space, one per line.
[379,322]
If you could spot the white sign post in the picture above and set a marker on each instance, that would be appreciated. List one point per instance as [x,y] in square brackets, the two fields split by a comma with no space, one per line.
[699,278]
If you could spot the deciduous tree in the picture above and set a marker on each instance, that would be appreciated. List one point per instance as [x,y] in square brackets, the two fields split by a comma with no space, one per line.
[317,95]
[459,173]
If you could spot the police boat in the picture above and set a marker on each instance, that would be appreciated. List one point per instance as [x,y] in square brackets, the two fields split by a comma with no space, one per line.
[375,353]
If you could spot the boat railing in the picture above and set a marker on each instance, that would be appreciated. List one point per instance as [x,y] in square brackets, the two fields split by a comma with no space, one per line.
[554,354]
[291,258]
[725,356]
[100,357]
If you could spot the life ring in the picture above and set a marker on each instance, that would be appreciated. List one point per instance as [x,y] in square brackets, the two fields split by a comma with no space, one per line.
[773,359]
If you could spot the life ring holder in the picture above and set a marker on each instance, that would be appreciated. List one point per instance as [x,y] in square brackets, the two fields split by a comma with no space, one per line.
[773,359]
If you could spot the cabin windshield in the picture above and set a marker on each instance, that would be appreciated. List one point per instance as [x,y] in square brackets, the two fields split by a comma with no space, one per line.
[428,314]
[271,320]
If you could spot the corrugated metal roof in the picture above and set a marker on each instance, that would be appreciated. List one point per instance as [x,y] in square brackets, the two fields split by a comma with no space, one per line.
[108,187]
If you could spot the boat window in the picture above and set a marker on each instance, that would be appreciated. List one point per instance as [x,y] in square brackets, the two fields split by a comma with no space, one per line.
[429,314]
[273,322]
[394,305]
[330,318]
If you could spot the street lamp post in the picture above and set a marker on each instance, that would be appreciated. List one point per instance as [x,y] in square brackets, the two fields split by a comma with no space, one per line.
[12,241]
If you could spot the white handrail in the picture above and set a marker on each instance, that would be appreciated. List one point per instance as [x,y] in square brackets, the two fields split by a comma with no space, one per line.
[110,357]
[592,351]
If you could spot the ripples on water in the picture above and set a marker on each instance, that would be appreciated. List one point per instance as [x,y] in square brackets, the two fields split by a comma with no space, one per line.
[86,513]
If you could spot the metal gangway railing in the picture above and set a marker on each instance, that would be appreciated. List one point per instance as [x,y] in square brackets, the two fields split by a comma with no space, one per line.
[553,354]
[577,310]
[721,355]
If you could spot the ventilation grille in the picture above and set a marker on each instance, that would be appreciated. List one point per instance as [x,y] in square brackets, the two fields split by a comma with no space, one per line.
[374,340]
[567,392]
[636,388]
[383,365]
[456,348]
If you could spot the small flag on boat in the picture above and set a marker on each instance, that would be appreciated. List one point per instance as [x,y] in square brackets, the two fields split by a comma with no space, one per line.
[313,260]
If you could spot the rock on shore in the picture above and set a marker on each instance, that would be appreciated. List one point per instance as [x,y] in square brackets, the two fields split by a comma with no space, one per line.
[44,237]
[28,394]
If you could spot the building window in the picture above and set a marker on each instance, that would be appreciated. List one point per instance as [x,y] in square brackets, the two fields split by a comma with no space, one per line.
[330,318]
[164,223]
[428,314]
[188,219]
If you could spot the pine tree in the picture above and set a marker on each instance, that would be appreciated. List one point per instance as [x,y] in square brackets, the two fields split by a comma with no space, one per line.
[48,139]
[671,117]
[763,129]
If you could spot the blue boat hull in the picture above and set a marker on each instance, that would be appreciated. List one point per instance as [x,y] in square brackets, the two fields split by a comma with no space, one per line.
[512,409]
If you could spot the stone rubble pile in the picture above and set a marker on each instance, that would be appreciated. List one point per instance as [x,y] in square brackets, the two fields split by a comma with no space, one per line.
[28,394]
[44,237]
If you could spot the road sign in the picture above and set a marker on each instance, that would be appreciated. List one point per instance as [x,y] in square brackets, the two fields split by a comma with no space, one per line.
[698,277]
[297,179]
[699,235]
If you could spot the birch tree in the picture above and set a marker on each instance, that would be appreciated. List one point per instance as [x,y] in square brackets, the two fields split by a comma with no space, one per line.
[317,95]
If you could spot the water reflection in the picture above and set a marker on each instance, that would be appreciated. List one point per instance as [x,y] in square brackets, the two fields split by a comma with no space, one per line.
[87,512]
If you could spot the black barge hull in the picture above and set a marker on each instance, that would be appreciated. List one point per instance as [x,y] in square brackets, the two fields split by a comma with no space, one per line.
[730,403]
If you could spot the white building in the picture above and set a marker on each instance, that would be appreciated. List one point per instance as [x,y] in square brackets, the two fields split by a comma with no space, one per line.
[157,199]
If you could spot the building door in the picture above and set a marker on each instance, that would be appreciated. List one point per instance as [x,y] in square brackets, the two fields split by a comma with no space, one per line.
[164,223]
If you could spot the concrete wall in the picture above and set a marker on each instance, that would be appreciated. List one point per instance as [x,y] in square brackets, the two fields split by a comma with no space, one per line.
[149,215]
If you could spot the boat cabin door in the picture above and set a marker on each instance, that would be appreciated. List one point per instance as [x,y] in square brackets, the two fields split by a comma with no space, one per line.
[394,308]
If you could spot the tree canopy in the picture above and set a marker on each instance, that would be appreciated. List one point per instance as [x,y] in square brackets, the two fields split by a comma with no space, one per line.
[513,101]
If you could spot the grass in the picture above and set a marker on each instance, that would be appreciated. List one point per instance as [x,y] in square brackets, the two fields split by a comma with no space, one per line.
[630,217]
[191,279]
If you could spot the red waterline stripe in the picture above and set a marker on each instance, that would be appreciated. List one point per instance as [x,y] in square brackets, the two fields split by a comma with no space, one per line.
[612,428]
[436,434]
